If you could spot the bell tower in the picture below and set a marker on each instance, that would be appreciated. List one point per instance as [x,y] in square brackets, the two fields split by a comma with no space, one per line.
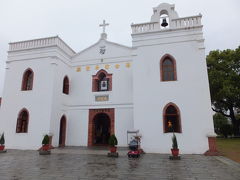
[164,13]
[172,47]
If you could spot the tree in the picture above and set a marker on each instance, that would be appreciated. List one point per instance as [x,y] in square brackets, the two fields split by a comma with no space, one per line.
[224,80]
[221,125]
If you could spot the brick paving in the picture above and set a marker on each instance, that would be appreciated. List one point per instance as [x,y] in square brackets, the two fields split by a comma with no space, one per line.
[77,164]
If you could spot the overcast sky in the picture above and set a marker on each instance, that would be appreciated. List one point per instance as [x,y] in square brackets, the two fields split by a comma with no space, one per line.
[77,21]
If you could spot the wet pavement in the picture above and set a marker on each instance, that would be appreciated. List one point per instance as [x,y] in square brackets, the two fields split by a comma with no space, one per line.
[77,164]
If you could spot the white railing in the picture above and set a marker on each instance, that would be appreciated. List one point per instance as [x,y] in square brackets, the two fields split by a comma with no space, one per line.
[145,27]
[186,22]
[39,43]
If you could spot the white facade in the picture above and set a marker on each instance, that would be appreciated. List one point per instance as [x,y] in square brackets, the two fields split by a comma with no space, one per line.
[138,96]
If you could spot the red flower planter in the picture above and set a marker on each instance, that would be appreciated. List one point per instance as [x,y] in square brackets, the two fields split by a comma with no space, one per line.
[175,152]
[113,149]
[2,147]
[45,147]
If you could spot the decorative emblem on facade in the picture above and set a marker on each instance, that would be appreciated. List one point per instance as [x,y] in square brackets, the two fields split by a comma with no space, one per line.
[107,66]
[78,69]
[117,66]
[97,67]
[87,68]
[128,65]
[102,50]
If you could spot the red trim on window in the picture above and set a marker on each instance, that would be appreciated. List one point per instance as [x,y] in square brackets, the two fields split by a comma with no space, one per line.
[65,85]
[96,78]
[27,83]
[168,56]
[20,127]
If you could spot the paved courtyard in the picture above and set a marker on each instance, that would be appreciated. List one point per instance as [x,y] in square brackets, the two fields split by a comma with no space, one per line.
[76,164]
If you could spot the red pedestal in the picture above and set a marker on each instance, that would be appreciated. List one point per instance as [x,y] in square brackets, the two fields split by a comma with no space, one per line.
[212,147]
[2,147]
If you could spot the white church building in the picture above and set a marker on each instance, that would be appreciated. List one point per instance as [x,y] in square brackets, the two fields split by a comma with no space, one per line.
[80,99]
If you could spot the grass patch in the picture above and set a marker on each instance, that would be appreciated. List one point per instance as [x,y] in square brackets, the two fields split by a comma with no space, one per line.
[229,148]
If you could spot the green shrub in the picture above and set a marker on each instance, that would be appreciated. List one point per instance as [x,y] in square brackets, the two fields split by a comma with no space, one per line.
[45,140]
[174,142]
[112,140]
[222,126]
[2,139]
[226,130]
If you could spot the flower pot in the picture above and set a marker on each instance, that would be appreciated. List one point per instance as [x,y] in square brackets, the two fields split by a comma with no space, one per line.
[175,152]
[2,147]
[41,152]
[45,147]
[113,149]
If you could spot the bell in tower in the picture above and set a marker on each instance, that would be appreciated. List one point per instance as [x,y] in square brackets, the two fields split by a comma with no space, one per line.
[164,22]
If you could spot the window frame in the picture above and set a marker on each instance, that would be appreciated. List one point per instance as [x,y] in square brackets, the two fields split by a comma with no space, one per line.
[66,85]
[25,80]
[172,59]
[19,121]
[165,115]
[96,81]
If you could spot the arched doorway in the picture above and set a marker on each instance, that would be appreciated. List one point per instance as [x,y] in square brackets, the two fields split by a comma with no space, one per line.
[62,131]
[95,116]
[101,129]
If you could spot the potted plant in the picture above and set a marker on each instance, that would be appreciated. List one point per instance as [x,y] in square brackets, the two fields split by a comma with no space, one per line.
[175,150]
[45,143]
[45,149]
[2,142]
[112,143]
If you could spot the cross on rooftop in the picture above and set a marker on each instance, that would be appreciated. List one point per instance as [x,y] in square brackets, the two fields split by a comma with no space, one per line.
[104,25]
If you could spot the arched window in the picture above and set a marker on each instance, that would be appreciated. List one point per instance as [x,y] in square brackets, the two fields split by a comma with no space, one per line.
[102,81]
[66,85]
[27,80]
[171,119]
[168,68]
[22,121]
